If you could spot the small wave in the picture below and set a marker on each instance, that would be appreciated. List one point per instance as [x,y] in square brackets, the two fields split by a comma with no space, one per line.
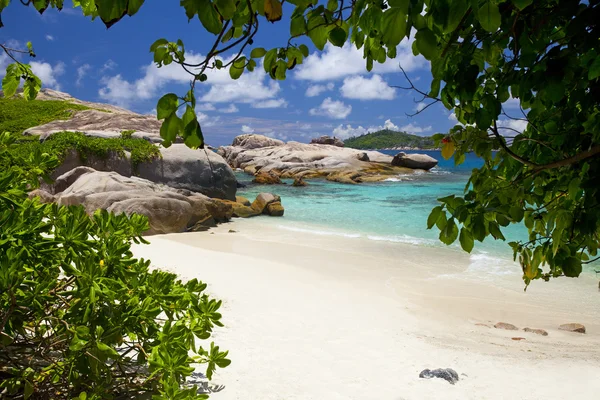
[319,232]
[404,239]
[399,178]
[483,263]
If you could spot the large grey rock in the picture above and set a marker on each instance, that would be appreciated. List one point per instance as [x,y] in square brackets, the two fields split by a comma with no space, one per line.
[301,160]
[254,141]
[447,374]
[168,210]
[199,170]
[414,161]
[332,141]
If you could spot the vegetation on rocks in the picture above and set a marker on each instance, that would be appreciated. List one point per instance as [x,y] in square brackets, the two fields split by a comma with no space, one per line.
[388,139]
[79,316]
[18,114]
[60,143]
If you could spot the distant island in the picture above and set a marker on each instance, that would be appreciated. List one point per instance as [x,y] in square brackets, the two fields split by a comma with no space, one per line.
[392,140]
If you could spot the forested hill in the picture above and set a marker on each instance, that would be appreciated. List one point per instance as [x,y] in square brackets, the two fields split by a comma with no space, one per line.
[387,139]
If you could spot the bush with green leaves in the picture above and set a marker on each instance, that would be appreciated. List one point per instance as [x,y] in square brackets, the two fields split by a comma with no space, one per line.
[80,317]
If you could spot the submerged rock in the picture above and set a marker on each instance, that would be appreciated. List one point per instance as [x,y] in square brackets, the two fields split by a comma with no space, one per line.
[299,182]
[505,325]
[447,374]
[266,178]
[572,327]
[415,161]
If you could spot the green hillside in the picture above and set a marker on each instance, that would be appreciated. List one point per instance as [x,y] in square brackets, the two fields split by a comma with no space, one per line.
[387,139]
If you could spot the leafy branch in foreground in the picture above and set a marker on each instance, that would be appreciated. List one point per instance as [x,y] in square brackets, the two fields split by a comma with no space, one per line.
[79,316]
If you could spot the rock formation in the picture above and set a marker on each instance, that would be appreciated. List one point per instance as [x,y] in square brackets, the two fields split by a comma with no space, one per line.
[332,141]
[253,141]
[300,160]
[415,161]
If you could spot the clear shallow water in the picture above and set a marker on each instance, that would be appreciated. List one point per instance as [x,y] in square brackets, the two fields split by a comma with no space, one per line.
[395,210]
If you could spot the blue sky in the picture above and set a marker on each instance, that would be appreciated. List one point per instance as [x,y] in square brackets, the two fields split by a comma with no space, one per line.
[330,94]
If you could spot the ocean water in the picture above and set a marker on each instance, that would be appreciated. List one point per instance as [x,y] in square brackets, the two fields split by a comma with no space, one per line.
[395,210]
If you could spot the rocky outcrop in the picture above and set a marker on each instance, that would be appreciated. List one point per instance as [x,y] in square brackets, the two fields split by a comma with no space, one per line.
[168,210]
[332,141]
[414,161]
[254,141]
[266,178]
[299,182]
[265,203]
[295,160]
[179,167]
[572,327]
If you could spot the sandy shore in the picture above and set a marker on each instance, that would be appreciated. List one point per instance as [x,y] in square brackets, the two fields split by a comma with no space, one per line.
[321,317]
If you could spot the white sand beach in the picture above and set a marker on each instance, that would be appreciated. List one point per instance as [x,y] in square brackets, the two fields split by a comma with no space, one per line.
[325,317]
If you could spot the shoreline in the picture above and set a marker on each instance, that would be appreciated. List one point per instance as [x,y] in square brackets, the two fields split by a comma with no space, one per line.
[320,317]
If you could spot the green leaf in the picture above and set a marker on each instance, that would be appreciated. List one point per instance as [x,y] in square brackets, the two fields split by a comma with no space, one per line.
[192,135]
[448,150]
[332,5]
[226,8]
[489,16]
[337,36]
[31,88]
[450,232]
[28,389]
[209,17]
[107,350]
[594,71]
[10,82]
[393,26]
[269,60]
[455,15]
[466,240]
[572,267]
[166,106]
[304,49]
[258,52]
[298,26]
[280,70]
[434,216]
[521,4]
[170,128]
[317,31]
[426,42]
[237,68]
[158,43]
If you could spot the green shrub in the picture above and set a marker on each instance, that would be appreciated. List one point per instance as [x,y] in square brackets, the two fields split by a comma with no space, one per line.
[80,317]
[60,143]
[18,114]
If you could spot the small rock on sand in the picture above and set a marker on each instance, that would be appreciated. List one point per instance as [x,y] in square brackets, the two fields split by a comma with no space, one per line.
[447,374]
[572,327]
[536,331]
[505,325]
[518,338]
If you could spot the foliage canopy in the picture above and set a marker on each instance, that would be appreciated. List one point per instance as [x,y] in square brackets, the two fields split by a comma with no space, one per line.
[482,53]
[388,139]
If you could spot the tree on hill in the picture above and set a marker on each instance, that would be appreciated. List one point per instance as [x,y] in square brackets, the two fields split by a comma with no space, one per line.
[483,53]
[388,139]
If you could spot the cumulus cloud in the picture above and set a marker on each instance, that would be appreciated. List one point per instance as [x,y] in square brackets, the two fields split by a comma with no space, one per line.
[338,62]
[420,106]
[228,110]
[452,117]
[273,103]
[415,129]
[315,90]
[207,120]
[249,88]
[205,107]
[506,125]
[247,129]
[48,73]
[361,88]
[332,108]
[345,132]
[81,73]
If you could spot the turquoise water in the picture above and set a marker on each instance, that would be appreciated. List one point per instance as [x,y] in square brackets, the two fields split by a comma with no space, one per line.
[395,210]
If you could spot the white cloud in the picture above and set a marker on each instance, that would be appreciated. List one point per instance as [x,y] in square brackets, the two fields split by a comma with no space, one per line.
[345,132]
[315,90]
[81,72]
[373,88]
[518,125]
[273,103]
[338,62]
[452,117]
[48,73]
[276,135]
[512,103]
[207,120]
[247,129]
[415,129]
[49,38]
[205,107]
[108,66]
[420,106]
[332,109]
[228,110]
